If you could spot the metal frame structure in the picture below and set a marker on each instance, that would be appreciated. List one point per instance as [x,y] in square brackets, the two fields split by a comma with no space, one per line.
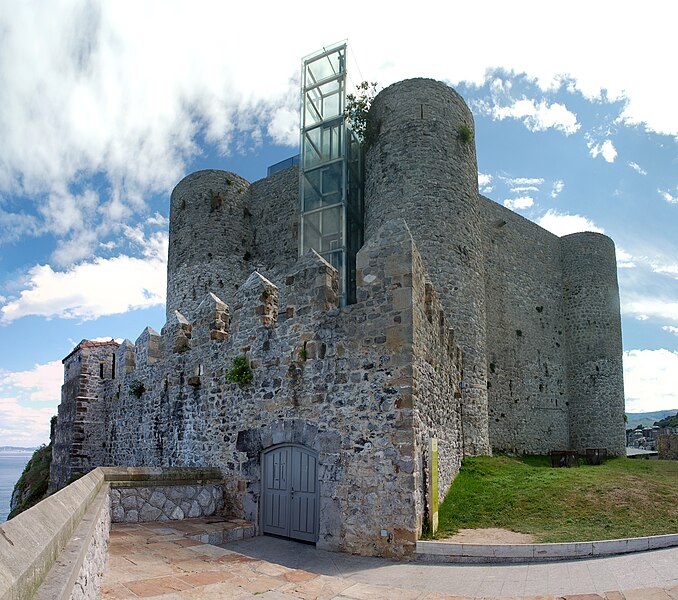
[330,170]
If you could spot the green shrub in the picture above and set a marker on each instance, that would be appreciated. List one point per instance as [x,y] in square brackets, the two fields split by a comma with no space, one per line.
[137,388]
[240,371]
[465,134]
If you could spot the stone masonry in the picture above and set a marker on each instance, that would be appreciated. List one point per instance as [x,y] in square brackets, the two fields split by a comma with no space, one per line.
[472,325]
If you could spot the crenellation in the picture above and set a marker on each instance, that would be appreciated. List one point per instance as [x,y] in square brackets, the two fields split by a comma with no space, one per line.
[256,304]
[177,333]
[125,358]
[212,321]
[311,285]
[148,348]
[472,326]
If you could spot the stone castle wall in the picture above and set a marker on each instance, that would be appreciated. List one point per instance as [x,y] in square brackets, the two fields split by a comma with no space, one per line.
[526,335]
[340,382]
[667,446]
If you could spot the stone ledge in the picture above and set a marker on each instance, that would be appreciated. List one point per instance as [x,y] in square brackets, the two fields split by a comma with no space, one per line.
[435,551]
[31,542]
[62,577]
[171,475]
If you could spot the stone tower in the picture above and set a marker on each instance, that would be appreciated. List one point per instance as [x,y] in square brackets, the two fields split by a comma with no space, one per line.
[595,370]
[209,239]
[421,166]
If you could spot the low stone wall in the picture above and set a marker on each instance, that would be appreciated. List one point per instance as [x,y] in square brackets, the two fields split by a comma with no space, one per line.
[667,445]
[58,548]
[165,502]
[31,542]
[78,572]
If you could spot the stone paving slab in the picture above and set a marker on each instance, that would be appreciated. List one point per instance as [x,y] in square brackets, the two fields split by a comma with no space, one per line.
[156,561]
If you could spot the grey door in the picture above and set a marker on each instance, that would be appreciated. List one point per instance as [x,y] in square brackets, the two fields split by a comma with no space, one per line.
[290,493]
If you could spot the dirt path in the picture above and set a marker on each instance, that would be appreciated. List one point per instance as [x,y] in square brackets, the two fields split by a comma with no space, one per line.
[490,536]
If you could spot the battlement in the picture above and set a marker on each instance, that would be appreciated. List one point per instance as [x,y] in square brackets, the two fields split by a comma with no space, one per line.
[311,292]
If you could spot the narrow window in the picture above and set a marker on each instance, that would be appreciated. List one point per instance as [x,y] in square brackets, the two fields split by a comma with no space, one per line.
[101,370]
[113,366]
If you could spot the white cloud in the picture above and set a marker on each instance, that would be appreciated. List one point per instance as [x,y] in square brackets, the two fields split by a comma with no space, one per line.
[624,259]
[606,150]
[92,289]
[485,183]
[646,307]
[668,196]
[484,179]
[538,117]
[105,87]
[528,181]
[520,203]
[649,380]
[663,267]
[158,219]
[562,224]
[637,168]
[525,188]
[23,425]
[558,186]
[41,383]
[670,329]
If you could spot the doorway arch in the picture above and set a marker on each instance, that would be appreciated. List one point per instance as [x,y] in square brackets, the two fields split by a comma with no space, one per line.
[290,492]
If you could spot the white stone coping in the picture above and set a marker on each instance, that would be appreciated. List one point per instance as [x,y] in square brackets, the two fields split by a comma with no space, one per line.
[439,551]
[62,577]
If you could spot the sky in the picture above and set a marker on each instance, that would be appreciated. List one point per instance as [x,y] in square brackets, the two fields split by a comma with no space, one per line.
[105,106]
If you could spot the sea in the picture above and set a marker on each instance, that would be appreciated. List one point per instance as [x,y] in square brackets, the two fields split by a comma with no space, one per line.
[11,467]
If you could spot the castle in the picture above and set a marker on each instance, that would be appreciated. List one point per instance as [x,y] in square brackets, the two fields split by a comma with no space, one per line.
[469,325]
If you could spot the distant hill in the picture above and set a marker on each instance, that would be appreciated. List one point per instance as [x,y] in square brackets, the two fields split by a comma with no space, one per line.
[671,421]
[647,419]
[16,449]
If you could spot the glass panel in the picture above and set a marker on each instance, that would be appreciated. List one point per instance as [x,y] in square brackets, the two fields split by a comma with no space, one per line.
[322,186]
[322,144]
[323,230]
[325,66]
[323,103]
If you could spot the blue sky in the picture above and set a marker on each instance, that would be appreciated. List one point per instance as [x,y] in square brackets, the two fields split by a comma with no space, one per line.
[105,106]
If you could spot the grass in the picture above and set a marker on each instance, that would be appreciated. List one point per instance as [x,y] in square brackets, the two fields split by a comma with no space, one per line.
[622,498]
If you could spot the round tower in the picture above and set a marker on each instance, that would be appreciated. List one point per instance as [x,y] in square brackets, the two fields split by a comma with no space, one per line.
[209,239]
[593,327]
[421,166]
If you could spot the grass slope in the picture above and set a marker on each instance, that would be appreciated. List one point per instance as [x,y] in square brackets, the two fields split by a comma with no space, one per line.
[32,485]
[622,498]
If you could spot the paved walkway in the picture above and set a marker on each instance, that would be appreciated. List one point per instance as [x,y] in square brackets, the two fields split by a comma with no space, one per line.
[157,561]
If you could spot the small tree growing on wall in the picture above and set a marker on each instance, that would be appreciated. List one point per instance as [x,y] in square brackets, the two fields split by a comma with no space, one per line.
[240,371]
[357,108]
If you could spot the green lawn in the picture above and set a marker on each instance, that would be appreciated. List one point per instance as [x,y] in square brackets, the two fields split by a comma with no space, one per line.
[622,498]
